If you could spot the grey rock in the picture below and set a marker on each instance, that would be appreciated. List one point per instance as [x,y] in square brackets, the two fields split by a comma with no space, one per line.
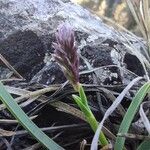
[24,51]
[49,74]
[27,28]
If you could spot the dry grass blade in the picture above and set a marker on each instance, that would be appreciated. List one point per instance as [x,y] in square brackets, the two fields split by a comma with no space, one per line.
[110,111]
[9,121]
[6,133]
[141,12]
[38,92]
[107,147]
[29,101]
[134,136]
[145,12]
[25,94]
[16,91]
[10,66]
[50,129]
[83,145]
[143,116]
[33,147]
[110,96]
[11,79]
[5,141]
[137,16]
[61,106]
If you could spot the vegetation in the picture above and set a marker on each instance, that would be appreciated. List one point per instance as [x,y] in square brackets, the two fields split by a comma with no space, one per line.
[66,56]
[25,121]
[140,10]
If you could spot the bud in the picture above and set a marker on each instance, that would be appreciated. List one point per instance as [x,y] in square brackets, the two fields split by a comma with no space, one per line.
[66,55]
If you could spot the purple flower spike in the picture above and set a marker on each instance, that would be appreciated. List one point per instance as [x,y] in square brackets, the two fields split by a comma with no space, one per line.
[66,53]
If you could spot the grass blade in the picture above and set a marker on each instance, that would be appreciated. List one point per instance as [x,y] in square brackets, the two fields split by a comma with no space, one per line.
[83,96]
[144,145]
[24,120]
[137,15]
[144,117]
[90,119]
[110,110]
[130,114]
[84,109]
[10,66]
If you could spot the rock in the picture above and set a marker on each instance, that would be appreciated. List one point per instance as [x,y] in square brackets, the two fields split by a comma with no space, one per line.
[97,55]
[133,64]
[27,30]
[44,16]
[24,51]
[49,75]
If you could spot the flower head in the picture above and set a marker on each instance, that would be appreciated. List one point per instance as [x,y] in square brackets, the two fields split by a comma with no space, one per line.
[66,53]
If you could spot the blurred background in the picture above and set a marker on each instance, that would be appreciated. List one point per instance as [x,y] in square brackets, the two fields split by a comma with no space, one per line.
[112,12]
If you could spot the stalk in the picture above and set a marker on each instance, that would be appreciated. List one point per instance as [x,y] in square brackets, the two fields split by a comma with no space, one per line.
[82,102]
[94,125]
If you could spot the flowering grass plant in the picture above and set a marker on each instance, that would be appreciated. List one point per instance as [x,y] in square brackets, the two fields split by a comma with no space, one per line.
[66,56]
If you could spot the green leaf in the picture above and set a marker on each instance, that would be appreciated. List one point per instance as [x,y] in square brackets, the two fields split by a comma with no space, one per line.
[25,121]
[90,119]
[83,96]
[130,114]
[83,108]
[145,145]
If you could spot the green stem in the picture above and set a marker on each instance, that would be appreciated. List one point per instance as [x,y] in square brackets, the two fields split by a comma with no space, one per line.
[94,125]
[82,102]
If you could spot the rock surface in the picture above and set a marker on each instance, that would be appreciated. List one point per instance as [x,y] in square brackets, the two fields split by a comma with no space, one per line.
[27,31]
[24,50]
